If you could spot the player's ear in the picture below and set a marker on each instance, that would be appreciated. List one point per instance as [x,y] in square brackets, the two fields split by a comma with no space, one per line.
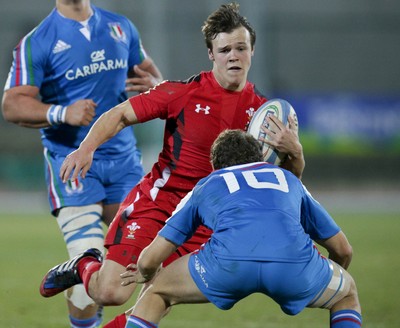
[210,55]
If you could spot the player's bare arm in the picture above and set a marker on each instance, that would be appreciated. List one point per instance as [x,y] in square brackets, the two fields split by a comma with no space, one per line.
[21,106]
[286,140]
[107,126]
[339,249]
[143,77]
[132,275]
[149,262]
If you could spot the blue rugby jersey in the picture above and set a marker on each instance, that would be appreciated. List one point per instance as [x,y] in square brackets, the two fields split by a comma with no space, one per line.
[256,211]
[67,66]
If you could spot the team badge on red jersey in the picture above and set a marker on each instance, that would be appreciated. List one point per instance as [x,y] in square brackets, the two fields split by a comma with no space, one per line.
[250,112]
[132,229]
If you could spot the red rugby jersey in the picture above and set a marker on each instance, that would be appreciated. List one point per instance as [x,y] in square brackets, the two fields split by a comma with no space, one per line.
[196,111]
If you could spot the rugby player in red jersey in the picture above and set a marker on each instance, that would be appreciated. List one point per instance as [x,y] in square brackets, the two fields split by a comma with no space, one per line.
[196,111]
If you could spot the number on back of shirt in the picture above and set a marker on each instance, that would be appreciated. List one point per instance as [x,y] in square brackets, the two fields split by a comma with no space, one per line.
[252,181]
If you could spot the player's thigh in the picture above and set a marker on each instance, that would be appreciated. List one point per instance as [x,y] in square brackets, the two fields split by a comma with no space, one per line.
[127,238]
[109,282]
[338,287]
[109,212]
[175,284]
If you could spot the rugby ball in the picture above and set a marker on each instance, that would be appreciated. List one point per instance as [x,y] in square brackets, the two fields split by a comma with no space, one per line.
[279,108]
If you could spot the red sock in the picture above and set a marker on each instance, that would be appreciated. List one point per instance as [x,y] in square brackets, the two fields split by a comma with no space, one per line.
[86,267]
[118,322]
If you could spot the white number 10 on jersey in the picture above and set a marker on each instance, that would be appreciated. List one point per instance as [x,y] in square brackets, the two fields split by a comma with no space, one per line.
[251,180]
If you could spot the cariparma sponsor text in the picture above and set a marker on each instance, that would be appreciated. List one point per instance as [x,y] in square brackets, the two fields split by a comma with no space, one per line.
[95,68]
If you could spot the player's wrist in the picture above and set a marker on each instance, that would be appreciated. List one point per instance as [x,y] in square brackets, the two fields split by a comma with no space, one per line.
[297,153]
[56,114]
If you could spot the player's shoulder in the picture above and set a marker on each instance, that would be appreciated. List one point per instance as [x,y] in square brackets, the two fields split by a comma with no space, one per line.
[259,98]
[199,79]
[203,84]
[258,92]
[203,80]
[179,88]
[190,81]
[40,39]
[209,186]
[194,79]
[46,27]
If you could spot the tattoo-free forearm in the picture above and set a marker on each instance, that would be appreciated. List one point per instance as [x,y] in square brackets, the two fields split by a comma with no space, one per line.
[108,125]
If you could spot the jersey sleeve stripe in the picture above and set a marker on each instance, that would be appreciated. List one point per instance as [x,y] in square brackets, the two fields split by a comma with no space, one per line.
[29,59]
[23,62]
[143,54]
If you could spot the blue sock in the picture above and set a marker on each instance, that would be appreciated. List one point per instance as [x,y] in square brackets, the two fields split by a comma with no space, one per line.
[99,315]
[84,323]
[136,322]
[346,319]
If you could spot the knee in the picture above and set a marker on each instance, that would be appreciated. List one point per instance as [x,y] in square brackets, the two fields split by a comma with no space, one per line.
[353,293]
[105,287]
[351,300]
[112,295]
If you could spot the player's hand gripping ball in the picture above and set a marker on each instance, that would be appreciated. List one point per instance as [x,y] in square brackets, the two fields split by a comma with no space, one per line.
[282,110]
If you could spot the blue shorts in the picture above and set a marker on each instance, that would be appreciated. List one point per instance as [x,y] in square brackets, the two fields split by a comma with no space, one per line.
[291,285]
[107,181]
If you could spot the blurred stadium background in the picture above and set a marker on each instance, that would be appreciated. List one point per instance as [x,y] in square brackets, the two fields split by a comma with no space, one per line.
[335,61]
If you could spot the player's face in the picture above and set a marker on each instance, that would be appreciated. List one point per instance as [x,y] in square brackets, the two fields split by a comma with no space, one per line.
[231,55]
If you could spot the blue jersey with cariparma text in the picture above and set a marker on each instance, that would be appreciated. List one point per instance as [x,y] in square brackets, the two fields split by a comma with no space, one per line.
[69,62]
[257,212]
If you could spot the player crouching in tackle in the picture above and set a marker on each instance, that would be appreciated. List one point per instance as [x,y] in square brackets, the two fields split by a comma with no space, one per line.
[262,218]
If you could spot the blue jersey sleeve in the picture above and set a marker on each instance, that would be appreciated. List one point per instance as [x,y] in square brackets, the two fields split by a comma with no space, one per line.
[315,219]
[183,222]
[29,62]
[136,51]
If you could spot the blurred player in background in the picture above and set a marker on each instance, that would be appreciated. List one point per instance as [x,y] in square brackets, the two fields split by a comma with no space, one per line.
[78,60]
[196,111]
[262,218]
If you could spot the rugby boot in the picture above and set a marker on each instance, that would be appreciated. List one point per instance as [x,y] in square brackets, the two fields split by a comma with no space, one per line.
[65,275]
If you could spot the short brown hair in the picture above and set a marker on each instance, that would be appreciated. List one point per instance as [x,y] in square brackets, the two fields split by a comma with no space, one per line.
[224,20]
[234,147]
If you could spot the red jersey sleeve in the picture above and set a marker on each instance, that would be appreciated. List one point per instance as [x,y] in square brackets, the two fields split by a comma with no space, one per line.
[155,103]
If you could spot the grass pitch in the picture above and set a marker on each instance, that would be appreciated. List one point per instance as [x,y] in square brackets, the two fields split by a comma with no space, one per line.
[31,244]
